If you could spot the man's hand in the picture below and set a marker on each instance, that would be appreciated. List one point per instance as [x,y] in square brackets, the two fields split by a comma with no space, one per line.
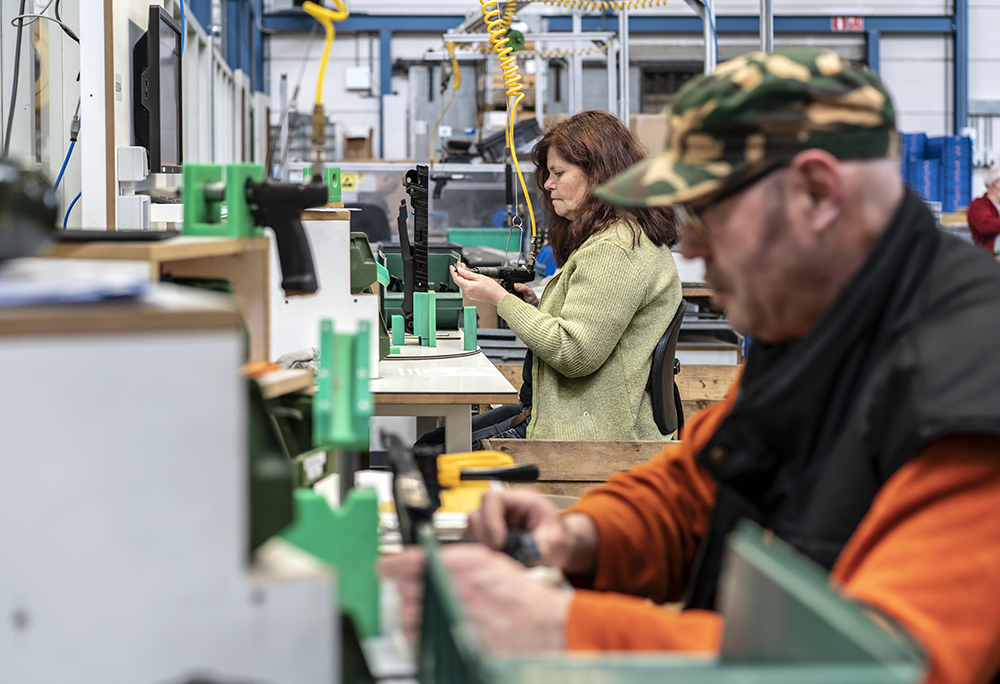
[568,542]
[406,569]
[510,611]
[476,287]
[529,295]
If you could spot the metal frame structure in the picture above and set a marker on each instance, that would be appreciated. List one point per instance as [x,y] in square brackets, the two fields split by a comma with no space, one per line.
[875,26]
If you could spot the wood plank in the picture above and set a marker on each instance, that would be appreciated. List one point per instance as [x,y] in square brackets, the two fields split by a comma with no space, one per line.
[169,309]
[574,489]
[285,381]
[325,215]
[697,382]
[431,398]
[248,273]
[181,247]
[575,461]
[693,292]
[512,371]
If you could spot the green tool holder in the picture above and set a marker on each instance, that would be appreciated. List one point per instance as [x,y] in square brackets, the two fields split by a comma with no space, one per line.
[343,401]
[347,539]
[398,331]
[203,211]
[470,329]
[331,175]
[432,337]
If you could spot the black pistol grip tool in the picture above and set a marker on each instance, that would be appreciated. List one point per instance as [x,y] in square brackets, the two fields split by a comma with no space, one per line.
[521,547]
[406,254]
[507,276]
[414,508]
[279,206]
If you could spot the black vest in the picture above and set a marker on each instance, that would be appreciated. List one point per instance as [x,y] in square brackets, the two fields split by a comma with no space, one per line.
[909,352]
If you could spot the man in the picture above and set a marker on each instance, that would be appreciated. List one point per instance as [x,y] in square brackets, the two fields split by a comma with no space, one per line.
[984,213]
[865,429]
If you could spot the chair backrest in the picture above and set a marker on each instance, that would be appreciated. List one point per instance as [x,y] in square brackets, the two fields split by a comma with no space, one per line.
[371,220]
[667,411]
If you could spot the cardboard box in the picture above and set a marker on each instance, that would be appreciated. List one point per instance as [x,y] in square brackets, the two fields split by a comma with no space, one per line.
[356,147]
[499,92]
[651,129]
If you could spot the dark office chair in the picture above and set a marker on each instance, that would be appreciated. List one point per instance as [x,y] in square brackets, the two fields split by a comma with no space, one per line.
[371,220]
[667,410]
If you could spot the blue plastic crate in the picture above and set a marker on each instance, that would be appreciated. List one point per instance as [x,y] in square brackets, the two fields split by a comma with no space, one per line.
[915,144]
[925,178]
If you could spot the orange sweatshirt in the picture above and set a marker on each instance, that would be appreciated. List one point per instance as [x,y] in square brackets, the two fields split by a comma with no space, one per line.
[927,553]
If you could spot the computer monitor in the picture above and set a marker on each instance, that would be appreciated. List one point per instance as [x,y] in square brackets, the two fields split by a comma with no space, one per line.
[156,92]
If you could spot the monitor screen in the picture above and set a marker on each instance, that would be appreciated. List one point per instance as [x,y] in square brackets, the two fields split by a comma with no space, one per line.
[157,92]
[170,80]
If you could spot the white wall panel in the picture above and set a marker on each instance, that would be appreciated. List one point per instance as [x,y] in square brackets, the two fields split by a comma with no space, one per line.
[918,72]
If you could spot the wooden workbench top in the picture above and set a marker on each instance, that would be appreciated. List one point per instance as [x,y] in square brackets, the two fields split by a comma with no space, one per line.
[164,308]
[171,249]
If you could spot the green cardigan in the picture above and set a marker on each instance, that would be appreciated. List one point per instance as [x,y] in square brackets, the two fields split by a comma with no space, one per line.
[593,336]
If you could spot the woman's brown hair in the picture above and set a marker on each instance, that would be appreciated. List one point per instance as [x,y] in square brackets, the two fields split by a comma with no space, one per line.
[603,147]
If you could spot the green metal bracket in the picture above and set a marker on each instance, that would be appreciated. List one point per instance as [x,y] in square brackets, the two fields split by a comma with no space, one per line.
[431,340]
[203,206]
[420,315]
[398,331]
[347,539]
[343,401]
[332,177]
[470,329]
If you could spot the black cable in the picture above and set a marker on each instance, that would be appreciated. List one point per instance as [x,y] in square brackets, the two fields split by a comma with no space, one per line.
[13,94]
[66,30]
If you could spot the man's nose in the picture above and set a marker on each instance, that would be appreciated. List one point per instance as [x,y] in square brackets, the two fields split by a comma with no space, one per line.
[693,244]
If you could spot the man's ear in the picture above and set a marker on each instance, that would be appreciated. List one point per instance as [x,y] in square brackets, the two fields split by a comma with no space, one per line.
[819,179]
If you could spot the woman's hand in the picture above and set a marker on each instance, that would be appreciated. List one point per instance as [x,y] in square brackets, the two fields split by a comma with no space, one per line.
[476,287]
[529,295]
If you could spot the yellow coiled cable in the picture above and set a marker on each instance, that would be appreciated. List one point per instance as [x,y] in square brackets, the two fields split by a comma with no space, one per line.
[325,17]
[456,83]
[512,84]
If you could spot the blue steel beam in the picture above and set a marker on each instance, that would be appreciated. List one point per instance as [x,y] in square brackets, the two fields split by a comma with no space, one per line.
[960,59]
[873,50]
[751,24]
[300,21]
[232,33]
[384,83]
[257,73]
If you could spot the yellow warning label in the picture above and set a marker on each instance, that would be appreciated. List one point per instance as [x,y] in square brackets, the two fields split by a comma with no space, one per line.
[349,181]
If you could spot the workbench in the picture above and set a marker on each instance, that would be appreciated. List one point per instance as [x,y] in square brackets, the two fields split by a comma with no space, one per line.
[442,381]
[423,382]
[241,261]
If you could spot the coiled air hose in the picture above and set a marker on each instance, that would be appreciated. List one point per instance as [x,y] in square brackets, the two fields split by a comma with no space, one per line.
[512,86]
[325,17]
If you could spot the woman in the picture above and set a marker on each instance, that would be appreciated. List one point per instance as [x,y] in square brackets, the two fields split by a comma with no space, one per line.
[593,332]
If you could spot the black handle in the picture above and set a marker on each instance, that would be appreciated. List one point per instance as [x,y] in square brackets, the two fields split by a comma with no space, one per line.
[279,206]
[517,473]
[406,254]
[521,547]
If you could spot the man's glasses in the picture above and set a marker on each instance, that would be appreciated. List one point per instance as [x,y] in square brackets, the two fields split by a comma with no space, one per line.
[690,215]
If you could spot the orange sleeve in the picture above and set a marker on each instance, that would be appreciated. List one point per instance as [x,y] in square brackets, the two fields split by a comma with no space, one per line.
[928,555]
[650,519]
[633,624]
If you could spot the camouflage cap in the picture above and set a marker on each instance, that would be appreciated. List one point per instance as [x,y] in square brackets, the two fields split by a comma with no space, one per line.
[758,109]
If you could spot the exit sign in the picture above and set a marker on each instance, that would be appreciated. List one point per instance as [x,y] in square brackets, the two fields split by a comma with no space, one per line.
[842,24]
